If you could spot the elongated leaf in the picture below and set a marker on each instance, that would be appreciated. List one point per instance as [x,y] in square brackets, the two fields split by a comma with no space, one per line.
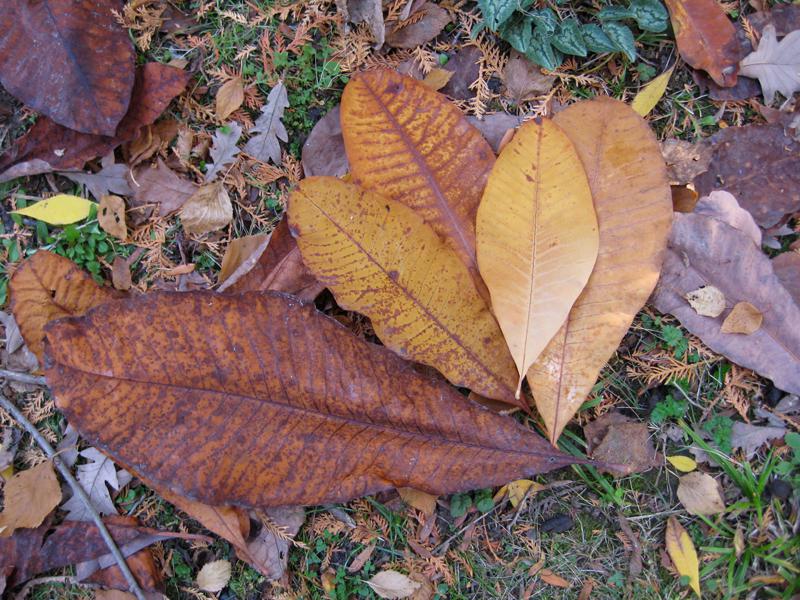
[265,402]
[537,237]
[62,209]
[379,258]
[634,209]
[649,95]
[414,146]
[681,551]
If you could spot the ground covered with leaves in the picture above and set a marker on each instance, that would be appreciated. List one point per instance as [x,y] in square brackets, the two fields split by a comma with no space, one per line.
[237,102]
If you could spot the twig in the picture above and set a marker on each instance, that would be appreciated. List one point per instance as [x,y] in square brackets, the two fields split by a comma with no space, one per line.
[77,489]
[22,377]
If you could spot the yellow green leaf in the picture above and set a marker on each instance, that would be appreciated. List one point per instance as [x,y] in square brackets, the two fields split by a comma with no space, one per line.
[58,210]
[517,490]
[649,95]
[681,550]
[682,463]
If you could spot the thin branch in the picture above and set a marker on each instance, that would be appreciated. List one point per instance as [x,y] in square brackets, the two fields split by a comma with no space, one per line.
[77,489]
[22,377]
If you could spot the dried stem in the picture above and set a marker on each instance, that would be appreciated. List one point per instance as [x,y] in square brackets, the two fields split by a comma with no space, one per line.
[22,377]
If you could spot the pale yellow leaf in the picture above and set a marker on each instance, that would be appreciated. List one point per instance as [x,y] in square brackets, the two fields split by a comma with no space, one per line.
[391,585]
[682,463]
[649,95]
[519,488]
[707,301]
[229,97]
[681,550]
[744,318]
[62,209]
[214,576]
[699,494]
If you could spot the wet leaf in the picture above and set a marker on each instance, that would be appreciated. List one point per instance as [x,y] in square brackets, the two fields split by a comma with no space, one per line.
[214,576]
[706,38]
[229,98]
[207,210]
[96,475]
[700,494]
[681,550]
[377,256]
[323,151]
[61,209]
[391,585]
[160,185]
[284,394]
[751,437]
[111,216]
[634,208]
[268,129]
[647,98]
[223,149]
[537,237]
[775,65]
[684,464]
[421,29]
[71,61]
[29,496]
[744,318]
[707,301]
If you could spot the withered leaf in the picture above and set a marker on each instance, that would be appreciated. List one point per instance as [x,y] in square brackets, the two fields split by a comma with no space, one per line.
[775,65]
[29,496]
[524,79]
[223,149]
[207,210]
[241,256]
[323,152]
[683,554]
[744,318]
[707,301]
[229,98]
[465,67]
[214,576]
[111,216]
[161,185]
[700,494]
[121,274]
[111,178]
[392,585]
[71,61]
[269,128]
[724,207]
[94,476]
[751,437]
[437,78]
[685,160]
[621,442]
[285,396]
[787,268]
[495,127]
[425,24]
[366,11]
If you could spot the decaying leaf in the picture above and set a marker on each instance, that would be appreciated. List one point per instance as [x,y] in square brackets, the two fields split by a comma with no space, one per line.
[223,149]
[681,550]
[95,476]
[323,151]
[751,437]
[524,79]
[264,146]
[111,178]
[366,11]
[775,65]
[787,268]
[685,160]
[392,585]
[707,301]
[553,579]
[61,209]
[29,496]
[422,501]
[464,64]
[162,186]
[208,209]
[537,237]
[229,97]
[496,128]
[378,257]
[620,442]
[425,24]
[241,256]
[214,576]
[430,159]
[284,396]
[682,463]
[700,494]
[71,61]
[724,207]
[706,38]
[121,274]
[744,318]
[47,287]
[647,98]
[111,216]
[634,209]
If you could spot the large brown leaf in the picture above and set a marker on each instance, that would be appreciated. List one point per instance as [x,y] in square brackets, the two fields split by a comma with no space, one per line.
[633,202]
[259,400]
[52,147]
[414,146]
[379,258]
[48,286]
[68,59]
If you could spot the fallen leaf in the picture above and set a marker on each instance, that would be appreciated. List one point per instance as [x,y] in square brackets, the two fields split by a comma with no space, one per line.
[684,198]
[706,38]
[551,578]
[391,584]
[207,210]
[61,209]
[522,488]
[700,494]
[289,392]
[437,78]
[537,238]
[269,549]
[440,163]
[152,140]
[724,207]
[369,12]
[424,24]
[264,146]
[465,67]
[241,255]
[681,550]
[29,496]
[707,301]
[121,274]
[624,445]
[376,256]
[775,65]
[744,318]
[95,476]
[685,160]
[161,185]
[111,178]
[230,97]
[495,127]
[787,268]
[587,589]
[223,149]
[634,208]
[422,501]
[751,437]
[682,463]
[323,151]
[760,166]
[361,558]
[524,79]
[111,216]
[71,61]
[214,576]
[647,98]
[46,287]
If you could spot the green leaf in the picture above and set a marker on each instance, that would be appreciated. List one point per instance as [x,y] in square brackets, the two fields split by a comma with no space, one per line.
[545,19]
[483,500]
[459,504]
[596,40]
[542,52]
[721,428]
[518,32]
[497,12]
[615,13]
[621,37]
[650,15]
[568,38]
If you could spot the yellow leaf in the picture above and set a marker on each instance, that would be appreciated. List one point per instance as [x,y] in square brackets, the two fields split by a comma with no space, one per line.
[437,78]
[537,237]
[682,463]
[62,209]
[379,258]
[633,202]
[422,501]
[649,95]
[29,497]
[517,490]
[681,550]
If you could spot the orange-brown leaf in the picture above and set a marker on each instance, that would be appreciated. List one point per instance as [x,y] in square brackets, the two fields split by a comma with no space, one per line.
[260,400]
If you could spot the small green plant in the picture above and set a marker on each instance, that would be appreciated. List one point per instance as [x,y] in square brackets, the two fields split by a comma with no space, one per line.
[789,468]
[669,408]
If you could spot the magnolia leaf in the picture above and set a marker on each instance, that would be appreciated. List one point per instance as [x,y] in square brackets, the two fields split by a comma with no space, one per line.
[706,38]
[282,395]
[744,318]
[633,203]
[378,257]
[95,475]
[207,210]
[649,95]
[392,585]
[431,160]
[724,207]
[707,301]
[682,463]
[223,149]
[537,237]
[264,146]
[214,576]
[229,98]
[29,496]
[775,65]
[681,550]
[62,209]
[700,494]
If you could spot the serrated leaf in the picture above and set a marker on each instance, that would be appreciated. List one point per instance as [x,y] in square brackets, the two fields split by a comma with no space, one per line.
[62,209]
[542,52]
[94,476]
[622,37]
[614,13]
[376,256]
[223,149]
[649,95]
[775,65]
[568,38]
[650,15]
[269,129]
[596,40]
[537,237]
[681,550]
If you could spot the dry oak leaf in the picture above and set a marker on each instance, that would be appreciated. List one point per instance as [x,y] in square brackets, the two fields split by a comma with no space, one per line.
[214,576]
[681,550]
[379,258]
[285,395]
[264,146]
[223,149]
[229,98]
[392,585]
[112,177]
[207,210]
[111,216]
[537,237]
[29,496]
[47,287]
[633,203]
[50,147]
[744,318]
[414,146]
[421,29]
[706,38]
[95,476]
[161,185]
[70,60]
[700,494]
[775,65]
[323,150]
